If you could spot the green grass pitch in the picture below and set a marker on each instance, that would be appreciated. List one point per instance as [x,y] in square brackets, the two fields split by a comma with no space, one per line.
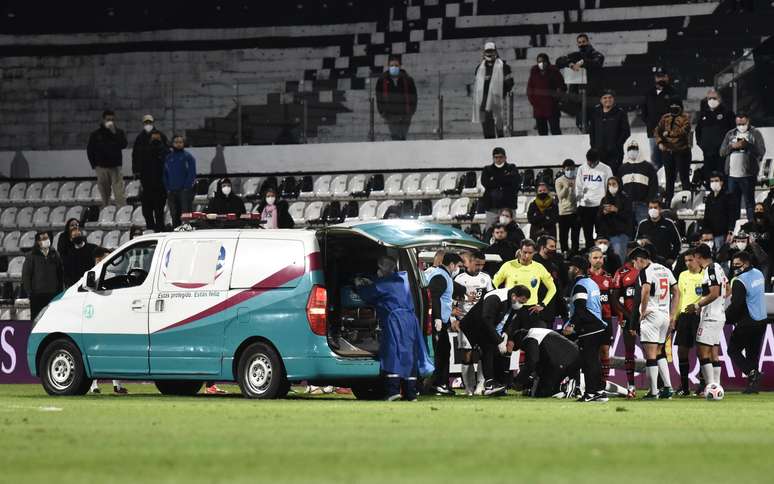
[148,438]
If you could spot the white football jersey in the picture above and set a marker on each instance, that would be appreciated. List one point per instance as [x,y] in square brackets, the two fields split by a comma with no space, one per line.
[475,286]
[714,276]
[661,281]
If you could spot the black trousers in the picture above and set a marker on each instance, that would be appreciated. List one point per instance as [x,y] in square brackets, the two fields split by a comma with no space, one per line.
[569,226]
[550,375]
[543,124]
[712,162]
[442,350]
[399,126]
[747,336]
[489,127]
[676,162]
[38,302]
[588,216]
[153,201]
[589,361]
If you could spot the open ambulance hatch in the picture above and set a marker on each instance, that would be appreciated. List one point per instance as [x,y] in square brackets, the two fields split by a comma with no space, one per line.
[352,250]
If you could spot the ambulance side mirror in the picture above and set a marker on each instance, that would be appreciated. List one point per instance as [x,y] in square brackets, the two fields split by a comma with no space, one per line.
[91,280]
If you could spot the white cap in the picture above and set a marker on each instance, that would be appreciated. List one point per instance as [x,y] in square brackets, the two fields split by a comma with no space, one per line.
[147,117]
[489,46]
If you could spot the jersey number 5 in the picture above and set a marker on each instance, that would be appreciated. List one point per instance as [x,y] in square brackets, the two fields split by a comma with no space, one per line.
[663,285]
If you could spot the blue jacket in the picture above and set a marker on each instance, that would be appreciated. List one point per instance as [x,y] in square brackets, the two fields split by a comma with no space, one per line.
[179,171]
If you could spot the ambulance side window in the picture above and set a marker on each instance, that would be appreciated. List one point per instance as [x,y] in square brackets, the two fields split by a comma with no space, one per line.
[128,268]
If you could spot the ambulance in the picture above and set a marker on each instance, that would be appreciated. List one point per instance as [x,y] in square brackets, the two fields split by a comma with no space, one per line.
[263,308]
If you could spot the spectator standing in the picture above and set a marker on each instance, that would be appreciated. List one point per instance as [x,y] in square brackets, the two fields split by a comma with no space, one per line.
[719,210]
[151,148]
[568,207]
[615,217]
[640,181]
[179,177]
[654,106]
[590,189]
[589,59]
[79,259]
[501,246]
[675,139]
[543,213]
[758,228]
[544,87]
[713,120]
[275,212]
[493,82]
[64,244]
[42,274]
[743,148]
[501,182]
[609,130]
[661,232]
[104,154]
[225,200]
[396,98]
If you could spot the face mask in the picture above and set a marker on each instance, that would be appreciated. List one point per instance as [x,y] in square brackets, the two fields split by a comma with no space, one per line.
[661,83]
[675,111]
[741,245]
[455,273]
[505,220]
[715,186]
[742,128]
[156,142]
[79,240]
[613,190]
[542,196]
[499,164]
[653,213]
[45,244]
[738,270]
[109,124]
[713,103]
[759,215]
[516,305]
[489,57]
[271,200]
[148,128]
[569,173]
[603,247]
[541,65]
[226,189]
[583,48]
[394,71]
[633,154]
[709,243]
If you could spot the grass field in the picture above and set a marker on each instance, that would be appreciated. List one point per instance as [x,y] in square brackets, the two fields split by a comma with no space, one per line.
[145,437]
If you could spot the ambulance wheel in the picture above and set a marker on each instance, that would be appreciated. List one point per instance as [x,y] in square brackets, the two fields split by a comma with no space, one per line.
[369,391]
[260,372]
[180,388]
[62,371]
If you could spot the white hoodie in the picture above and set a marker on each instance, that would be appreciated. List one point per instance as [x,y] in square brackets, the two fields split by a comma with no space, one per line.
[591,184]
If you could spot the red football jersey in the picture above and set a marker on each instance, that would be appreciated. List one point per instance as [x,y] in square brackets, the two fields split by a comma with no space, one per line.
[625,279]
[605,282]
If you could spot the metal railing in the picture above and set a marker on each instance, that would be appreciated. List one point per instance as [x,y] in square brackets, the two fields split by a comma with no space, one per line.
[730,76]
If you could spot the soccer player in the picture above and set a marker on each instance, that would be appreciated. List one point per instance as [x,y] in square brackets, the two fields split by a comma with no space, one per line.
[711,311]
[524,271]
[748,312]
[549,356]
[624,298]
[689,283]
[587,324]
[659,301]
[604,282]
[476,283]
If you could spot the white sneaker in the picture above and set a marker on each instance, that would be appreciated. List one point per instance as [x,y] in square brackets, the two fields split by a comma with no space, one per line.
[479,388]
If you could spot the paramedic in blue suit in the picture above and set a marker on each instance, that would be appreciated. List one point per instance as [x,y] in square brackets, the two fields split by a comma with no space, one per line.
[402,351]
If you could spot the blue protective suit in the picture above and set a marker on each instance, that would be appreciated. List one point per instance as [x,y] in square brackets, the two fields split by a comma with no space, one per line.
[402,349]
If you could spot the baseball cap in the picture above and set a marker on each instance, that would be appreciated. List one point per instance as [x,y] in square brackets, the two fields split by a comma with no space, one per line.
[147,118]
[489,46]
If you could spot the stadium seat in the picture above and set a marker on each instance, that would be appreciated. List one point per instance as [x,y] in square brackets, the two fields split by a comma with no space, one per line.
[306,190]
[760,196]
[133,191]
[123,218]
[313,212]
[375,186]
[766,167]
[477,188]
[429,184]
[24,217]
[8,218]
[250,188]
[682,204]
[41,218]
[357,185]
[18,193]
[411,184]
[393,185]
[67,192]
[351,211]
[137,217]
[50,192]
[107,218]
[460,209]
[339,187]
[27,241]
[83,192]
[75,212]
[124,237]
[15,267]
[204,198]
[112,239]
[441,210]
[383,207]
[34,191]
[448,183]
[56,218]
[522,204]
[322,186]
[248,209]
[55,242]
[738,225]
[11,241]
[95,237]
[5,190]
[95,196]
[296,210]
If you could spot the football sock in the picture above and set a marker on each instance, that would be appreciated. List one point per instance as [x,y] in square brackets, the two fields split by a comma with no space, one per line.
[605,370]
[663,369]
[685,369]
[468,378]
[716,372]
[651,368]
[629,363]
[708,371]
[480,374]
[117,383]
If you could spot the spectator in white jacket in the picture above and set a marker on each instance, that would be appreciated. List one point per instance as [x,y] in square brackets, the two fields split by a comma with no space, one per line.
[590,189]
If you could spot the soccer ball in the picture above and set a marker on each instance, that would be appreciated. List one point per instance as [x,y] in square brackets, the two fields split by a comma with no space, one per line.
[714,392]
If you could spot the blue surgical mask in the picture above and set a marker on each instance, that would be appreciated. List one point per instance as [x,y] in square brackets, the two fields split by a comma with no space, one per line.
[394,71]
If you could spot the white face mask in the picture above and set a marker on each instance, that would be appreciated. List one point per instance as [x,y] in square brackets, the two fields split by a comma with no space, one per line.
[45,244]
[541,65]
[603,247]
[613,190]
[80,245]
[226,189]
[713,103]
[505,220]
[709,243]
[147,127]
[109,124]
[653,213]
[499,164]
[455,272]
[271,200]
[741,245]
[516,305]
[716,186]
[569,173]
[742,128]
[633,154]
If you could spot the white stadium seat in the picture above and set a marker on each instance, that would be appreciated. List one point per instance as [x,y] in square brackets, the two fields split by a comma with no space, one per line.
[411,184]
[367,210]
[55,242]
[27,240]
[75,212]
[383,207]
[479,189]
[24,217]
[393,185]
[41,217]
[15,267]
[137,217]
[18,192]
[441,210]
[313,211]
[322,186]
[95,237]
[448,181]
[50,192]
[357,183]
[682,204]
[112,239]
[251,186]
[34,191]
[429,184]
[8,218]
[5,190]
[11,241]
[83,192]
[459,207]
[133,189]
[67,192]
[124,217]
[95,196]
[124,237]
[339,186]
[296,210]
[107,217]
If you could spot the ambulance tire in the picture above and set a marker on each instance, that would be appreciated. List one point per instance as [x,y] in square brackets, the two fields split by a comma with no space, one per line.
[260,373]
[62,371]
[369,390]
[179,388]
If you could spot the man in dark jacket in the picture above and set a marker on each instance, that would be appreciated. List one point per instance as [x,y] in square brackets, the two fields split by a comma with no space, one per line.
[179,177]
[609,130]
[544,87]
[654,106]
[554,264]
[713,120]
[396,98]
[501,182]
[719,211]
[104,153]
[150,150]
[42,274]
[549,358]
[661,232]
[225,201]
[501,246]
[588,58]
[542,213]
[79,259]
